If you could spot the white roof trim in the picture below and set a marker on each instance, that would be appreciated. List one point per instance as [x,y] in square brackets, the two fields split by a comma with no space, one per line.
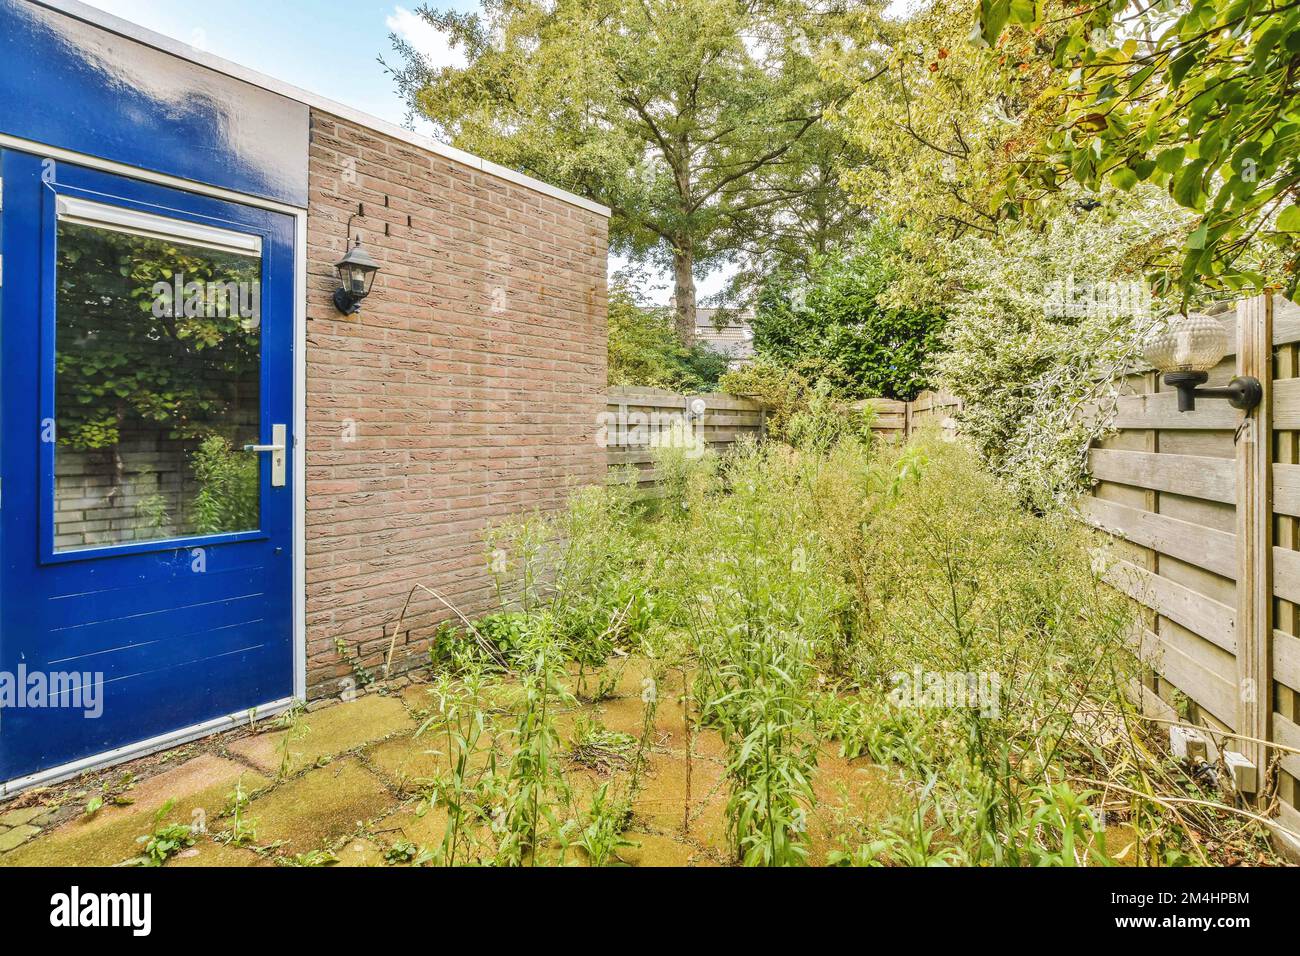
[133,31]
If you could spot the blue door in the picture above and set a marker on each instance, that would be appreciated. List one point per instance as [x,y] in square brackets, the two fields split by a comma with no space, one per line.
[146,461]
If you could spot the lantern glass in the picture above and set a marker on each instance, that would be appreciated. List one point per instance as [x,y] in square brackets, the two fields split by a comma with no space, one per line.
[1187,343]
[356,280]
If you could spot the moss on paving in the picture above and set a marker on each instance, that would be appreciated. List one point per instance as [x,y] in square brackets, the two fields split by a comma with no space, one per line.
[109,837]
[627,715]
[410,762]
[326,733]
[426,830]
[345,767]
[319,808]
[211,853]
[361,852]
[655,849]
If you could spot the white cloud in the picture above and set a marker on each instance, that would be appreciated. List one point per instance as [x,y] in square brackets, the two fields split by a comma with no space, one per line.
[424,38]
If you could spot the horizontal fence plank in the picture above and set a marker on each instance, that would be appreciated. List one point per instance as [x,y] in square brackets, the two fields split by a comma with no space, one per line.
[884,406]
[1287,734]
[1286,489]
[1286,574]
[1286,321]
[1286,659]
[1196,476]
[1286,403]
[1193,678]
[1160,410]
[1202,615]
[1196,544]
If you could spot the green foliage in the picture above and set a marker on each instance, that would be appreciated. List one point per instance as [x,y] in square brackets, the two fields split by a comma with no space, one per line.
[602,835]
[228,494]
[968,582]
[165,840]
[943,120]
[797,412]
[692,119]
[1035,373]
[243,831]
[797,590]
[1197,98]
[406,853]
[830,323]
[644,348]
[779,389]
[120,364]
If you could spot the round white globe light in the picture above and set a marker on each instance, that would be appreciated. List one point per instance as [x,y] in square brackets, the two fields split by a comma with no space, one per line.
[1187,343]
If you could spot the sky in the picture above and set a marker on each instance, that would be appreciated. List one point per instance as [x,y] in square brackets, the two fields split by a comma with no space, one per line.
[330,47]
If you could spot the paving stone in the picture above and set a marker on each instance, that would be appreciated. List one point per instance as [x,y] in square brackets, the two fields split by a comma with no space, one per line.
[361,852]
[46,818]
[326,733]
[425,830]
[16,837]
[654,849]
[634,671]
[627,715]
[211,853]
[15,818]
[411,762]
[662,799]
[317,809]
[109,837]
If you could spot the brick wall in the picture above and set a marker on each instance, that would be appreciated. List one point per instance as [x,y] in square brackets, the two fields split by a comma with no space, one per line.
[467,389]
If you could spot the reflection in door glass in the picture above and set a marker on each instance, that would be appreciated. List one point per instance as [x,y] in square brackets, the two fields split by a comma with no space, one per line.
[158,353]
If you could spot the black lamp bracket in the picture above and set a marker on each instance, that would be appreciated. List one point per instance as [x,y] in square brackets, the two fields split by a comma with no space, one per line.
[1242,392]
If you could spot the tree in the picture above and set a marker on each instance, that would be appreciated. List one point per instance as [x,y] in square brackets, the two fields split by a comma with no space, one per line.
[1199,98]
[943,121]
[683,116]
[812,214]
[830,323]
[1043,290]
[644,350]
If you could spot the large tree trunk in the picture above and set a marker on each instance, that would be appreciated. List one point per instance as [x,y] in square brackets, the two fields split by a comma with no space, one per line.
[684,290]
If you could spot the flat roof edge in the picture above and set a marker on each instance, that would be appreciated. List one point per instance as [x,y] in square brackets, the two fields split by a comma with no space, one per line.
[133,31]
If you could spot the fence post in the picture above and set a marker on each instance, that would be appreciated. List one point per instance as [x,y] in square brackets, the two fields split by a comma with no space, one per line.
[1254,536]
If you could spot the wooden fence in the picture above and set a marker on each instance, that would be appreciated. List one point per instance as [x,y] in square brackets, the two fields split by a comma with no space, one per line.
[637,418]
[1205,510]
[895,419]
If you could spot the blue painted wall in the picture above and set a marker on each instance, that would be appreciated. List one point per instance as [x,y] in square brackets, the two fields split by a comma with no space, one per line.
[69,84]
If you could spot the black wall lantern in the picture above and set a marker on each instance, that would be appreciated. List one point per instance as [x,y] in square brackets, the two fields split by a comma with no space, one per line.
[357,273]
[1185,349]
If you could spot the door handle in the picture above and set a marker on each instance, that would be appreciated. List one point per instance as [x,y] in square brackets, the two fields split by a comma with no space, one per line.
[276,448]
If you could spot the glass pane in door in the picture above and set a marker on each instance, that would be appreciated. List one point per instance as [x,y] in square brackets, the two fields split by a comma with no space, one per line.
[157,380]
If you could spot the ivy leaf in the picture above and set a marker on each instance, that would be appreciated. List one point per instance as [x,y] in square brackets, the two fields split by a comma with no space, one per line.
[1289,220]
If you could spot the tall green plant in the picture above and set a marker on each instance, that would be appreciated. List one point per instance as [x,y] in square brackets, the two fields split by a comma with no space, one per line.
[228,496]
